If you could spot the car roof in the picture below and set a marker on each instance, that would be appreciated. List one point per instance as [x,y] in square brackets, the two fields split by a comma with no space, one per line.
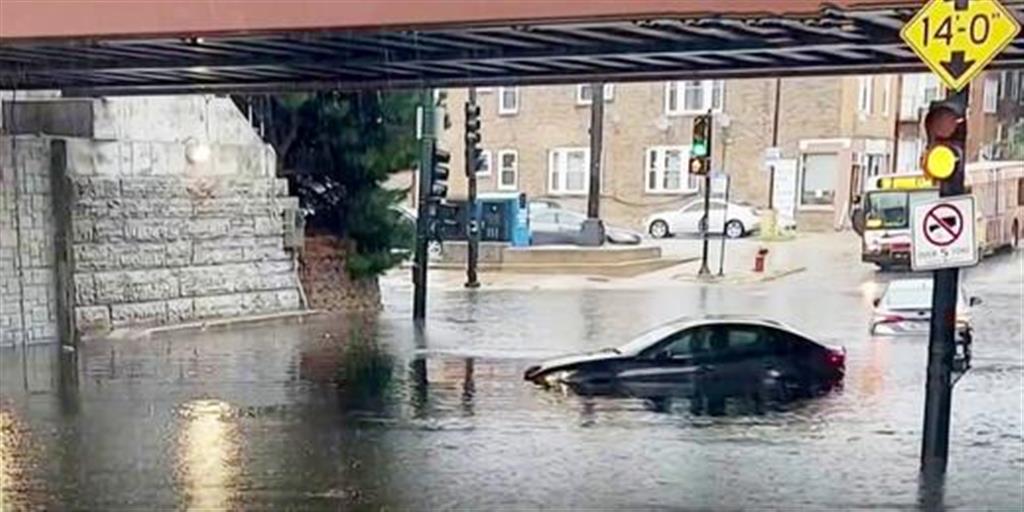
[672,326]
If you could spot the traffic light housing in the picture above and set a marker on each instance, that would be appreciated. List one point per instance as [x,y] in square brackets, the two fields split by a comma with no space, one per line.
[439,171]
[945,126]
[700,145]
[474,155]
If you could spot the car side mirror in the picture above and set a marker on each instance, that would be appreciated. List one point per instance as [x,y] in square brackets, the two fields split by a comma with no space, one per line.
[974,301]
[876,302]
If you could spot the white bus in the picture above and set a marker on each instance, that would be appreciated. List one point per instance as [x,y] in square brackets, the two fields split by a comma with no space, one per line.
[883,215]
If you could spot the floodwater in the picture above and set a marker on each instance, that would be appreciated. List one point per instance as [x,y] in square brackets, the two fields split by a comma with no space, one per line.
[338,413]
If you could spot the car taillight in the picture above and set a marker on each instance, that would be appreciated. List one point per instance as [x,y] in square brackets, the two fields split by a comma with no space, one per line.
[888,319]
[836,358]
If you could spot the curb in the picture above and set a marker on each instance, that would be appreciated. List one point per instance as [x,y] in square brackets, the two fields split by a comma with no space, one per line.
[220,323]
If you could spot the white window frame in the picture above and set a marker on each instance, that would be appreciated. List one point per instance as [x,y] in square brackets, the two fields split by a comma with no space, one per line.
[886,94]
[506,110]
[865,94]
[707,103]
[500,184]
[560,155]
[609,94]
[486,155]
[687,182]
[990,103]
[803,176]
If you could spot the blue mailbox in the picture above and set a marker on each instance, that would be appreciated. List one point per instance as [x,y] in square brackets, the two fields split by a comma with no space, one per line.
[503,218]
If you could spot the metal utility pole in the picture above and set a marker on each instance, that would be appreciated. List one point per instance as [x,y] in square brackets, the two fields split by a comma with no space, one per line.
[419,267]
[942,333]
[775,142]
[593,228]
[472,222]
[725,219]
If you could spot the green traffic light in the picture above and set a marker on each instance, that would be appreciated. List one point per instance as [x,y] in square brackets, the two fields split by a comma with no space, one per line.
[699,149]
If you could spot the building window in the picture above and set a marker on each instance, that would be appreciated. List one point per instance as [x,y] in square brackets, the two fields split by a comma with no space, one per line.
[688,97]
[508,100]
[818,179]
[991,100]
[665,170]
[583,96]
[865,92]
[485,163]
[568,170]
[508,169]
[886,94]
[909,155]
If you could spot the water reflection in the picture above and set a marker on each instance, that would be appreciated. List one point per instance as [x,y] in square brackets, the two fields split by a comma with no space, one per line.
[208,455]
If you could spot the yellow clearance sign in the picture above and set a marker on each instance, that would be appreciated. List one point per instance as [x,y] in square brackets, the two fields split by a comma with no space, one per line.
[958,38]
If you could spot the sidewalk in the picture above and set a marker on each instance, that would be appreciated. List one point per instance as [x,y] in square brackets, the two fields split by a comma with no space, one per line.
[818,254]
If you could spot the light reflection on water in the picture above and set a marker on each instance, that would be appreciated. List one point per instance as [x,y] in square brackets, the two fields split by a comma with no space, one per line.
[208,459]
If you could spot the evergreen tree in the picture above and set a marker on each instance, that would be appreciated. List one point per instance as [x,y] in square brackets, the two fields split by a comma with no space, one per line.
[337,149]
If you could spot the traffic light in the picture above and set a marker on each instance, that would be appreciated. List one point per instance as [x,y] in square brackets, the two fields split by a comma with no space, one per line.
[439,171]
[945,126]
[700,145]
[474,155]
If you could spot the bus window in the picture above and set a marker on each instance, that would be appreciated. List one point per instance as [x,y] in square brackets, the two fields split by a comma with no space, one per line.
[886,210]
[1020,192]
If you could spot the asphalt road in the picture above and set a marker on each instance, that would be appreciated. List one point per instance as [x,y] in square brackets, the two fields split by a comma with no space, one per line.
[353,413]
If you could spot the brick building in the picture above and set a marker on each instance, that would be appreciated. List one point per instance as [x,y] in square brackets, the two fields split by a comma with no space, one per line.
[833,133]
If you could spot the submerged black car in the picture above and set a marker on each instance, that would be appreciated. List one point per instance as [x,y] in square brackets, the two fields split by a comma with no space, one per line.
[708,359]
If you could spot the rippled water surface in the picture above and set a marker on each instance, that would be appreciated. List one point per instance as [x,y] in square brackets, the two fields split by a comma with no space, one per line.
[366,413]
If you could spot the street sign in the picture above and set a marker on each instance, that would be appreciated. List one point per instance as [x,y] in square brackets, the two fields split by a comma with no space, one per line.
[958,38]
[943,234]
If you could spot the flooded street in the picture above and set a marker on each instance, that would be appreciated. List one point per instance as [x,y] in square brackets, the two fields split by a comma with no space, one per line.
[340,413]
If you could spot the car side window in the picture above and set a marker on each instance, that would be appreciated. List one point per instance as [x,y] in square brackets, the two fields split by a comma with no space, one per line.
[739,340]
[689,343]
[545,217]
[693,207]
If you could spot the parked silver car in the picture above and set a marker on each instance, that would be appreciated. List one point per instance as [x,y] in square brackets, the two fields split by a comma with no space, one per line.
[551,225]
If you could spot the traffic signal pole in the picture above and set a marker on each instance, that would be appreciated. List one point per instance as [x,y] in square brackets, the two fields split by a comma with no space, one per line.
[473,222]
[942,333]
[704,269]
[426,163]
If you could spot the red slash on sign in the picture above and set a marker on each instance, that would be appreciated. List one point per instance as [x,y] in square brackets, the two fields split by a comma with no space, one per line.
[943,224]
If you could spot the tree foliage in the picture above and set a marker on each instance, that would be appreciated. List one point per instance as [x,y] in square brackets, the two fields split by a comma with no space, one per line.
[337,149]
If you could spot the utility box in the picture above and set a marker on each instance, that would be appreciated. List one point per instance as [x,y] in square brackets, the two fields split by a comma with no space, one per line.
[504,218]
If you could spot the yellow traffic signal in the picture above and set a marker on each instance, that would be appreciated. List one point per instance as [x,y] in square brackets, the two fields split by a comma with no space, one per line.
[940,162]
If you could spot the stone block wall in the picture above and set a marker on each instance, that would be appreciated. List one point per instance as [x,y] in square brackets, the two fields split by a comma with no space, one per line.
[158,235]
[27,297]
[165,250]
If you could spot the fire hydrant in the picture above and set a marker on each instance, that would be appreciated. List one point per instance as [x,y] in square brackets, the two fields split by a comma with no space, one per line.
[762,253]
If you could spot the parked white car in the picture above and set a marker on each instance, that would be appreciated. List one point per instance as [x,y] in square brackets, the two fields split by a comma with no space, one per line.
[735,220]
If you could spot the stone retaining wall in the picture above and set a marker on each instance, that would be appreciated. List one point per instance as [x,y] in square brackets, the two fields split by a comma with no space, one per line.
[158,235]
[27,310]
[156,251]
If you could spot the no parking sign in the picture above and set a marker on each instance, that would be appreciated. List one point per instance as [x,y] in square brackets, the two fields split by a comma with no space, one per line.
[943,234]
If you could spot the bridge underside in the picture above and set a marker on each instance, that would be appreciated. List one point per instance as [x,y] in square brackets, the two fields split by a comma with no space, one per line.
[830,41]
